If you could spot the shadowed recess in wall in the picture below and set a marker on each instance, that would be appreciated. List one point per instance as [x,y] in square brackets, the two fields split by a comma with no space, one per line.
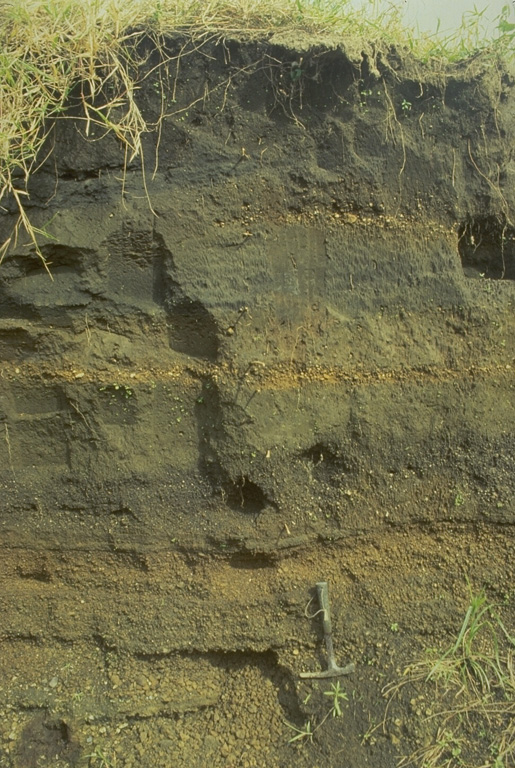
[244,495]
[487,249]
[239,492]
[326,462]
[192,330]
[45,742]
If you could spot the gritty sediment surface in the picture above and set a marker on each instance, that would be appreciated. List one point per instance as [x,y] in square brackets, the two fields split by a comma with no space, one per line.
[291,361]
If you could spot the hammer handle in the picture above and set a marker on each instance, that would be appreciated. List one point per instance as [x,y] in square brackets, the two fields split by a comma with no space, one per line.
[323,600]
[333,670]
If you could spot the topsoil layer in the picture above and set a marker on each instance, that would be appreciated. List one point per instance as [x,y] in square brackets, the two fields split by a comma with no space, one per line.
[279,351]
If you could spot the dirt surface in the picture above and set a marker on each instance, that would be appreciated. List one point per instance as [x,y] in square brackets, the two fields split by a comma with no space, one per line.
[280,352]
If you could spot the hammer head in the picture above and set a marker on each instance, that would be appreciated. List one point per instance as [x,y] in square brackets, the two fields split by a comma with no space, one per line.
[333,670]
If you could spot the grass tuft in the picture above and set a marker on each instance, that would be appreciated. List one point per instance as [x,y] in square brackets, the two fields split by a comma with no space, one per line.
[467,693]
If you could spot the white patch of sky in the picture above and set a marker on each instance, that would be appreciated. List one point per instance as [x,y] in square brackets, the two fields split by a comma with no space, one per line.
[448,14]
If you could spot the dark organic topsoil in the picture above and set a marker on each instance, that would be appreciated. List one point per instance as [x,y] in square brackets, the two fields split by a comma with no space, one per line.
[280,351]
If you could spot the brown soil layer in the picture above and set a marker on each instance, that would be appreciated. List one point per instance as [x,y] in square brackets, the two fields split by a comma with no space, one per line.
[281,353]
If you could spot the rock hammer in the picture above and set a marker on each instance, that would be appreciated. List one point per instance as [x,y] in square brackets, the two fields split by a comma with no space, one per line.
[333,670]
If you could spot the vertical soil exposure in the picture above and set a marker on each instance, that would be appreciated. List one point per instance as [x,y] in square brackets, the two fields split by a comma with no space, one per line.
[286,357]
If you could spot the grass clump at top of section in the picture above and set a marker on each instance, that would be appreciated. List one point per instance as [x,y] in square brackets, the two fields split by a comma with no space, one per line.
[51,48]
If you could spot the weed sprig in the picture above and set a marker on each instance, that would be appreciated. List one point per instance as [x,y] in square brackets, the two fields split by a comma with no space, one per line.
[306,733]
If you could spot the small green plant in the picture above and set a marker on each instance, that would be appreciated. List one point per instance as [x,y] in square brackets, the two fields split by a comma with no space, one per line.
[118,390]
[306,733]
[301,734]
[368,737]
[459,499]
[78,696]
[406,106]
[394,627]
[296,71]
[337,695]
[364,95]
[99,759]
[446,751]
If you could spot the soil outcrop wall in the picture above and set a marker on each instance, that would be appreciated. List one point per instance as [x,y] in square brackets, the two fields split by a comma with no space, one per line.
[277,347]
